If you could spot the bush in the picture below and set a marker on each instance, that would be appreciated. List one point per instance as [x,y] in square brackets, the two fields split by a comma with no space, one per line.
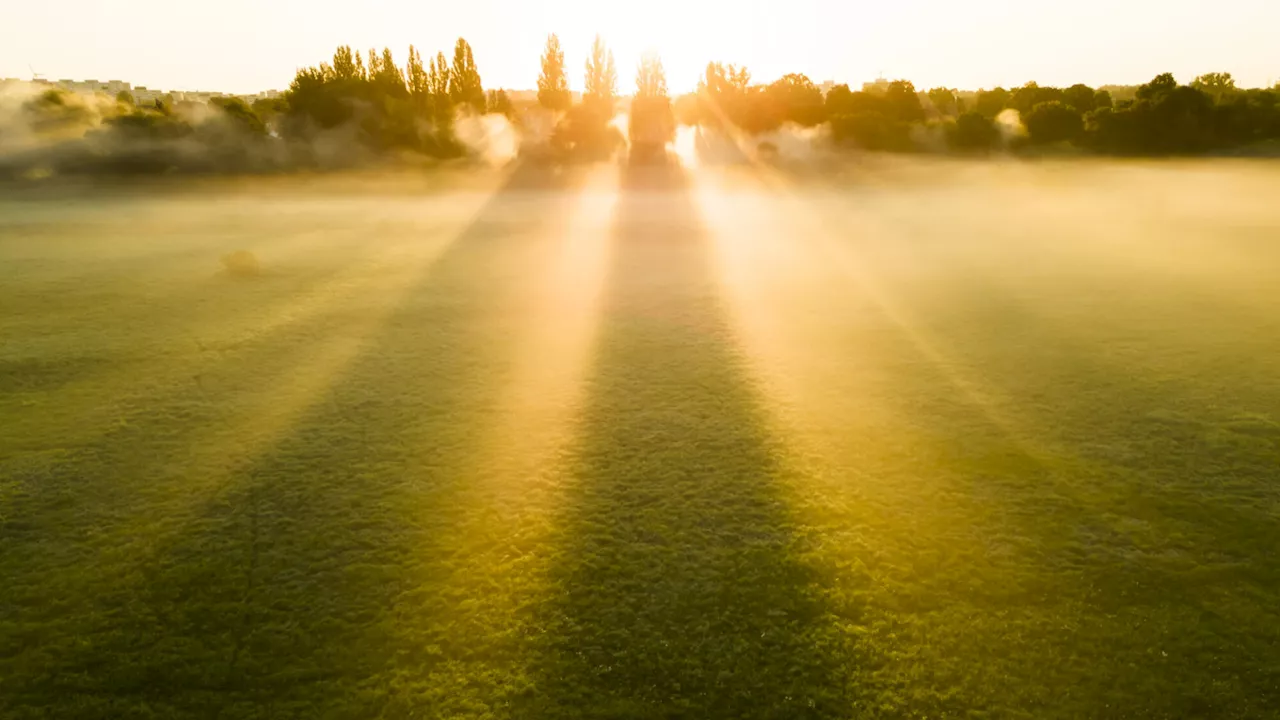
[871,130]
[973,131]
[1052,122]
[241,263]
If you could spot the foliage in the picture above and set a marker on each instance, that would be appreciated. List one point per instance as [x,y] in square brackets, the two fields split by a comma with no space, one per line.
[723,94]
[56,111]
[601,81]
[368,103]
[944,101]
[973,131]
[416,79]
[871,130]
[553,82]
[499,103]
[652,123]
[391,108]
[1053,122]
[586,132]
[794,99]
[1025,98]
[239,112]
[1218,85]
[465,88]
[1081,97]
[902,103]
[991,102]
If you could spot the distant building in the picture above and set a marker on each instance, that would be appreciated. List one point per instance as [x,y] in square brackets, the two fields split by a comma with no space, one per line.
[142,95]
[879,87]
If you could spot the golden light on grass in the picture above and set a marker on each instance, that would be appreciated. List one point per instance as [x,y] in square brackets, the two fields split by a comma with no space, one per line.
[267,396]
[558,310]
[88,407]
[493,506]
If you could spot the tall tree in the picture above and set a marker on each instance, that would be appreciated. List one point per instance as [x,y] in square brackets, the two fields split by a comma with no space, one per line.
[652,123]
[553,83]
[465,88]
[345,64]
[722,95]
[651,78]
[1217,84]
[388,79]
[602,77]
[438,78]
[416,77]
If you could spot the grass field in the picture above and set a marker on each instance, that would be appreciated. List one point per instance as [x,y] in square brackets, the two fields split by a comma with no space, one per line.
[920,440]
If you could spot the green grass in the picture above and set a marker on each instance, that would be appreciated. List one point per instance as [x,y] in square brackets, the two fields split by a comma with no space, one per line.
[939,440]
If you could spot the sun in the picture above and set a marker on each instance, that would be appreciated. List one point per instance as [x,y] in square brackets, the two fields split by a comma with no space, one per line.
[685,35]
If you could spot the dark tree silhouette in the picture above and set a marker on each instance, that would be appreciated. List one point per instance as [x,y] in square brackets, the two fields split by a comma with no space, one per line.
[1054,121]
[903,103]
[1081,97]
[416,78]
[465,88]
[991,103]
[944,101]
[1217,84]
[973,131]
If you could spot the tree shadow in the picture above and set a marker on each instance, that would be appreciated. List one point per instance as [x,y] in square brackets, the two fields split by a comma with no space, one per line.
[676,588]
[287,592]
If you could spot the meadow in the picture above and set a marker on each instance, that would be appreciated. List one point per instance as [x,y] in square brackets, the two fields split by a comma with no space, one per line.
[900,439]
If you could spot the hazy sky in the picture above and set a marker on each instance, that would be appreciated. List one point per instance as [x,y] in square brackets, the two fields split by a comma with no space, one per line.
[251,45]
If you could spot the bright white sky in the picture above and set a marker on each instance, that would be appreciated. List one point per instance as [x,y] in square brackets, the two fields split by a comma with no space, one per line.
[245,46]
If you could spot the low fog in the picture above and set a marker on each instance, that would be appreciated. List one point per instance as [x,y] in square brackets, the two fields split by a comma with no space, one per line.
[46,132]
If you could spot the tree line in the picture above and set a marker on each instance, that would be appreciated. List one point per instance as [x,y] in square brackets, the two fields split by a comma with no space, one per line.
[372,102]
[1161,118]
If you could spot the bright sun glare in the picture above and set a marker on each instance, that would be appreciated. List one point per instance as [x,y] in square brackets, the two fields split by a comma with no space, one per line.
[684,35]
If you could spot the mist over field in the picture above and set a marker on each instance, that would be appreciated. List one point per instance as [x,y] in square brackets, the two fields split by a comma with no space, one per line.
[803,436]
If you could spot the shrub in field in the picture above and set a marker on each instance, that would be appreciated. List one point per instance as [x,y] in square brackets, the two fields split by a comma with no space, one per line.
[241,263]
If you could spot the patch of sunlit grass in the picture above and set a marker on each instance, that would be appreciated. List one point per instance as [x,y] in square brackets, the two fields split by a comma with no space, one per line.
[935,441]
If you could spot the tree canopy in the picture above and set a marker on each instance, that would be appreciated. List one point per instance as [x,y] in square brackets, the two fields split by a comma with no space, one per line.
[465,88]
[601,82]
[553,83]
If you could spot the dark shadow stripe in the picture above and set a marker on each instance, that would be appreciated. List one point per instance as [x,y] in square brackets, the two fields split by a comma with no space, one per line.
[308,586]
[677,588]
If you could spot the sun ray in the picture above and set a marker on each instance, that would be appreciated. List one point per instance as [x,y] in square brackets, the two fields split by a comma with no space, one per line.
[211,461]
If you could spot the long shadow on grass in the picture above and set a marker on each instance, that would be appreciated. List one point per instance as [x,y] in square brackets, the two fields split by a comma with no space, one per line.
[1111,535]
[285,595]
[675,590]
